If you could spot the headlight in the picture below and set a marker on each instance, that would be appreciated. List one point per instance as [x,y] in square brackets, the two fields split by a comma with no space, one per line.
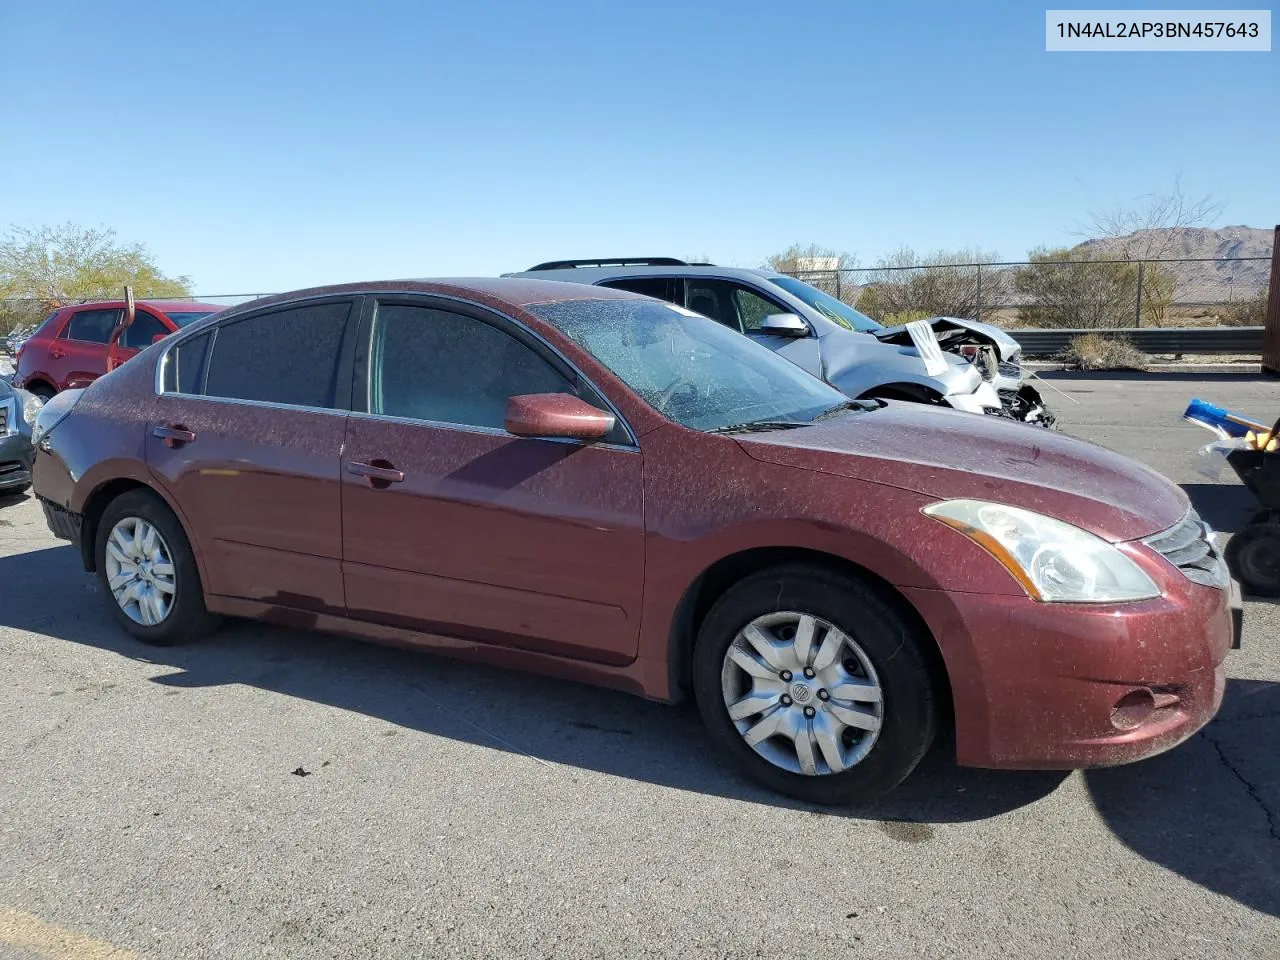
[53,413]
[1052,560]
[31,405]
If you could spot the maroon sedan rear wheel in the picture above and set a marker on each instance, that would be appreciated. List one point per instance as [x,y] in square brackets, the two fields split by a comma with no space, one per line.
[815,684]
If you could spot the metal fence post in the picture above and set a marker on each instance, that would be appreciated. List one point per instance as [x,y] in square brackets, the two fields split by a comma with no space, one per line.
[979,308]
[1271,323]
[1137,307]
[838,283]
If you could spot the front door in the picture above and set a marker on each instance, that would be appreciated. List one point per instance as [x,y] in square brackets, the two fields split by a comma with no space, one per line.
[453,526]
[247,437]
[736,305]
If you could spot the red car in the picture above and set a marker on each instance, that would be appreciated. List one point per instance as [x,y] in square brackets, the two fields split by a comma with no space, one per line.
[70,348]
[601,486]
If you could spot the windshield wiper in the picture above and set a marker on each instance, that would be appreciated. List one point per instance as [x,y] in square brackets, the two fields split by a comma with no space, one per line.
[847,405]
[758,426]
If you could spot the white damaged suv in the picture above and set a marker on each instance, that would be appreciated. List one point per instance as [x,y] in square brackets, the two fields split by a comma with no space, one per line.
[961,363]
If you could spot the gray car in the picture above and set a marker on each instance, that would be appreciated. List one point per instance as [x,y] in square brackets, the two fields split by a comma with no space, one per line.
[964,364]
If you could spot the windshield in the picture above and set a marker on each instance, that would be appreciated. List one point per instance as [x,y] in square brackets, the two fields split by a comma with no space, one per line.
[691,369]
[188,316]
[837,311]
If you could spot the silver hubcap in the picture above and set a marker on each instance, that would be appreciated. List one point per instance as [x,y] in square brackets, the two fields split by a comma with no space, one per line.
[140,571]
[802,693]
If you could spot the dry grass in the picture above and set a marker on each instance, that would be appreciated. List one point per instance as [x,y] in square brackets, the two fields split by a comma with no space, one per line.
[1093,351]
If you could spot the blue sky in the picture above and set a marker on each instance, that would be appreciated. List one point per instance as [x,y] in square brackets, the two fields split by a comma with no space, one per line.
[260,146]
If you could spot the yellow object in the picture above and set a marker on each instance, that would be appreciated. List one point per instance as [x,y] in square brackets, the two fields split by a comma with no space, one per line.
[1265,441]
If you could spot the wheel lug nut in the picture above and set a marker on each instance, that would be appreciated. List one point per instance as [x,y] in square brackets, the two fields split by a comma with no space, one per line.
[786,701]
[809,711]
[786,675]
[823,695]
[808,671]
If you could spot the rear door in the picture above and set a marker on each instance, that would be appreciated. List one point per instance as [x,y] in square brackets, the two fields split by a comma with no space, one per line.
[136,337]
[248,441]
[453,526]
[79,355]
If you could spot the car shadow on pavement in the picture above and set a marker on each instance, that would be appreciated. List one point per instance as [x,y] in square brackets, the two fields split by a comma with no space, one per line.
[1209,811]
[46,592]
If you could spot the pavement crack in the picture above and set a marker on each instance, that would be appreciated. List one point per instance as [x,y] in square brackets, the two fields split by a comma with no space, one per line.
[1273,821]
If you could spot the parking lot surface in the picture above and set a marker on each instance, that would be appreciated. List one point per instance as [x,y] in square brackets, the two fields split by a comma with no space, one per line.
[275,793]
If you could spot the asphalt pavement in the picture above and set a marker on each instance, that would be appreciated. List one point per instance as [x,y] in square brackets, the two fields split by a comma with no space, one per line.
[274,793]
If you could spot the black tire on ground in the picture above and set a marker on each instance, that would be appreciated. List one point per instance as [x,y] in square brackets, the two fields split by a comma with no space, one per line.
[894,647]
[43,391]
[1253,556]
[187,619]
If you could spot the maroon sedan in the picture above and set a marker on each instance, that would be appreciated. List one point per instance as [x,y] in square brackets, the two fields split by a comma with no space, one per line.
[601,486]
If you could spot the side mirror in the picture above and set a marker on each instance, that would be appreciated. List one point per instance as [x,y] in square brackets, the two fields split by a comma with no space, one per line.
[556,415]
[784,325]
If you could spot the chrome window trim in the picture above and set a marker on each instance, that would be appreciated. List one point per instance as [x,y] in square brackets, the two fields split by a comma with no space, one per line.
[265,404]
[488,431]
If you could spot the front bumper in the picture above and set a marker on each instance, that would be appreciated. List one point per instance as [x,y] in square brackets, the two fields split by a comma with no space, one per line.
[16,456]
[63,523]
[982,399]
[1064,686]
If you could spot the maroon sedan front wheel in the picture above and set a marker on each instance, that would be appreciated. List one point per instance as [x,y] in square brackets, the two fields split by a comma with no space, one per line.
[815,685]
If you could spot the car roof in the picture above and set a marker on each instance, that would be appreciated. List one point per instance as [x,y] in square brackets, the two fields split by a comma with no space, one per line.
[591,274]
[164,306]
[512,292]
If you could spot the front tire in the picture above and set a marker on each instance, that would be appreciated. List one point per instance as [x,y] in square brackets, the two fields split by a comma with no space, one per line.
[148,572]
[815,685]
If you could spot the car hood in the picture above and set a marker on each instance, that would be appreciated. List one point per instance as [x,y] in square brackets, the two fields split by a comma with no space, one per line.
[947,454]
[948,328]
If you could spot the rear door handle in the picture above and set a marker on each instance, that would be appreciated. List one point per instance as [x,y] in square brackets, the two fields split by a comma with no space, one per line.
[174,436]
[380,474]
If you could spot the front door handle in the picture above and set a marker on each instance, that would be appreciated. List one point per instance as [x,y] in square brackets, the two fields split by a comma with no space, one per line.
[379,473]
[174,436]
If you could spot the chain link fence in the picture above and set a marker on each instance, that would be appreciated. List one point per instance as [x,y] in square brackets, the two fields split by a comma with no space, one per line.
[1044,293]
[1052,292]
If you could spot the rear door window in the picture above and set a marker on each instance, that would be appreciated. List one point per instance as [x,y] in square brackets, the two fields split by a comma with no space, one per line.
[289,356]
[145,328]
[184,366]
[670,289]
[92,326]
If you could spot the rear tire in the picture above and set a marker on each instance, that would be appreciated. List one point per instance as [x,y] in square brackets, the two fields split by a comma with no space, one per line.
[141,592]
[43,391]
[876,647]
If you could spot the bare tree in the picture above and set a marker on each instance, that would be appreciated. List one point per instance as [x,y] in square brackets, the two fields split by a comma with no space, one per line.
[1145,228]
[906,285]
[820,267]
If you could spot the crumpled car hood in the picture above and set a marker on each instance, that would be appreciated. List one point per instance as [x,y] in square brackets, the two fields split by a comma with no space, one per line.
[1005,345]
[947,454]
